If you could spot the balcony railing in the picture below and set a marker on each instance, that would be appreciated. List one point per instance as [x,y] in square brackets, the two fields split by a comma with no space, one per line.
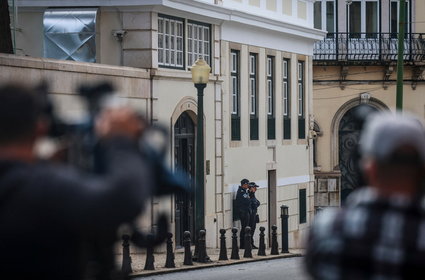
[379,48]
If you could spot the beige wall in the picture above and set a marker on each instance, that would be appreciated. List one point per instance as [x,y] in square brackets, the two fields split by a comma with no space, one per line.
[109,48]
[252,159]
[328,98]
[419,16]
[330,104]
[30,35]
[64,77]
[169,95]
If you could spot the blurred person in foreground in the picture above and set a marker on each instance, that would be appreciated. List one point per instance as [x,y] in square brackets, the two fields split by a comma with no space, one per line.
[380,232]
[50,214]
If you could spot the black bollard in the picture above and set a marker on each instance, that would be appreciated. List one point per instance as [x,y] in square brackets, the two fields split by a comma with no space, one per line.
[169,263]
[262,246]
[235,249]
[150,259]
[187,251]
[248,246]
[202,247]
[284,217]
[223,250]
[275,245]
[126,258]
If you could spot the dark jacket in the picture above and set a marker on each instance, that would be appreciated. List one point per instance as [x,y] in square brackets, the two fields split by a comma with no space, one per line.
[254,202]
[49,214]
[243,202]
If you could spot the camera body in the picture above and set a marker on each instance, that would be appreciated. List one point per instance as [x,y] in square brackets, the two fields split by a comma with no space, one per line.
[83,153]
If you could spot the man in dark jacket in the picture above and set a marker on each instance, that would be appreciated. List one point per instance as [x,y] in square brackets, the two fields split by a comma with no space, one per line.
[255,203]
[243,208]
[379,233]
[51,213]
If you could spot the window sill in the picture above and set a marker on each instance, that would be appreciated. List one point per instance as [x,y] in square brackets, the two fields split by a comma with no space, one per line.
[302,141]
[254,143]
[235,144]
[287,142]
[271,143]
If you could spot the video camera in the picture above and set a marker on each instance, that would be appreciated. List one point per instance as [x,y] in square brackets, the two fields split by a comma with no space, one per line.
[83,154]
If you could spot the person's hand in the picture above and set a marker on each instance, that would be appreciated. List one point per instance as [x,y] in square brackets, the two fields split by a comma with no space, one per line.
[122,121]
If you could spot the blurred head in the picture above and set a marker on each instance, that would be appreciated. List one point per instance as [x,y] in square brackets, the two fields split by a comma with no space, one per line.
[393,150]
[19,114]
[244,183]
[252,187]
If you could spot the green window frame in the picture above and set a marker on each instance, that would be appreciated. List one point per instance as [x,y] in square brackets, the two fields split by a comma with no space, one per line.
[301,100]
[271,120]
[286,98]
[253,97]
[302,198]
[235,95]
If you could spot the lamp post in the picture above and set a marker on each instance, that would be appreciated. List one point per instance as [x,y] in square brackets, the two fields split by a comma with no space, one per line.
[284,217]
[200,76]
[400,51]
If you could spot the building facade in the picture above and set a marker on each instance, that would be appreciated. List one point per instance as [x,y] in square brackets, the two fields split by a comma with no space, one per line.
[356,64]
[257,103]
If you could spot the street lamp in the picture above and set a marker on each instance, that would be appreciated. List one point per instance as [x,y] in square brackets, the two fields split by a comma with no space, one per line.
[200,76]
[284,218]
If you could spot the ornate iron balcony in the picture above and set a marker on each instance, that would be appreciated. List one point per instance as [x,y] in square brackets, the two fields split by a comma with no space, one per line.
[368,48]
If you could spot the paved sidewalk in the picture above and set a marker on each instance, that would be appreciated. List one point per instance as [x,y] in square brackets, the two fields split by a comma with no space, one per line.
[138,260]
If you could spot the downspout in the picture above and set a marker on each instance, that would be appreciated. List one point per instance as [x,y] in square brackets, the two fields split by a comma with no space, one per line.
[14,23]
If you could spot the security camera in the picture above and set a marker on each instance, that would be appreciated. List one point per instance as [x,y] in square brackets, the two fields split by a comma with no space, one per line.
[119,34]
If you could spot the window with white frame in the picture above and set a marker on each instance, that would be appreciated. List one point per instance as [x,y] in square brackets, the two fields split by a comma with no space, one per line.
[253,84]
[270,108]
[301,95]
[234,73]
[363,17]
[324,15]
[198,42]
[285,86]
[300,88]
[170,42]
[253,103]
[235,94]
[286,106]
[271,121]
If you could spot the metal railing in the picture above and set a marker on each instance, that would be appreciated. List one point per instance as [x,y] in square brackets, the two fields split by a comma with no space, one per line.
[368,47]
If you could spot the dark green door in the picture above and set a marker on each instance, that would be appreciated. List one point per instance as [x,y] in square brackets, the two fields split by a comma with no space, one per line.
[349,134]
[184,151]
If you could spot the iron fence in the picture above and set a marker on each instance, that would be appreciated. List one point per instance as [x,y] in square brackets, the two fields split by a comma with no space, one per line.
[368,47]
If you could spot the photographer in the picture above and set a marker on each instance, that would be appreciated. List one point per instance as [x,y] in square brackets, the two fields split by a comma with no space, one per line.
[52,217]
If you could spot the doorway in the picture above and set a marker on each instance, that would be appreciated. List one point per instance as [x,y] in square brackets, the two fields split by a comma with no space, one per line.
[349,133]
[271,184]
[184,160]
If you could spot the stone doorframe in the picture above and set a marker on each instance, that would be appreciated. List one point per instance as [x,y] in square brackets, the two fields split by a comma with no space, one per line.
[187,104]
[363,99]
